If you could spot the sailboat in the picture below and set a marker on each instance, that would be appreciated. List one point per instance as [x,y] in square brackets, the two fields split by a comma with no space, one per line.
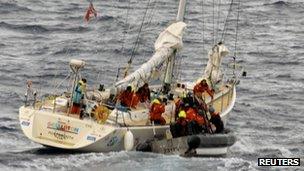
[113,128]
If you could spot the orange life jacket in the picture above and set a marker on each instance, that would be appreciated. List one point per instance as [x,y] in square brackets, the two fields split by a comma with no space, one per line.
[200,88]
[193,115]
[156,111]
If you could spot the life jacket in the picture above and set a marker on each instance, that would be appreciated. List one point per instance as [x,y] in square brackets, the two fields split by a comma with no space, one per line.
[126,98]
[192,115]
[156,110]
[135,100]
[144,94]
[199,89]
[79,92]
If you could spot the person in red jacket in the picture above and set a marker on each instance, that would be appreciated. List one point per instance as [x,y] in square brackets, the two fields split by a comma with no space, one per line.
[201,87]
[126,97]
[143,93]
[157,108]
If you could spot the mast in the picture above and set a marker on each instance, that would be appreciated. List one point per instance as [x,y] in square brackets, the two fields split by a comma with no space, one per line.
[181,10]
[171,59]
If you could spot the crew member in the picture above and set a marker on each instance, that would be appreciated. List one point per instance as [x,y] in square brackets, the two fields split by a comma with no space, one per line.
[78,95]
[143,93]
[201,87]
[157,108]
[192,115]
[181,123]
[178,105]
[216,120]
[126,97]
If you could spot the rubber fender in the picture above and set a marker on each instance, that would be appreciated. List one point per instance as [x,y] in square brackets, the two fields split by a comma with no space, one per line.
[227,138]
[193,142]
[128,141]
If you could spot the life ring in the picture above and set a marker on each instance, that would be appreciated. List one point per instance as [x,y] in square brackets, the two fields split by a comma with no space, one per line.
[101,114]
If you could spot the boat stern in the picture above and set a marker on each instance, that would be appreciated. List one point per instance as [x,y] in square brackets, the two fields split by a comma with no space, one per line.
[60,131]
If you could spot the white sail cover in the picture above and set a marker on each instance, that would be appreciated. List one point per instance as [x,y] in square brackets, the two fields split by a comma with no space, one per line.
[212,70]
[168,41]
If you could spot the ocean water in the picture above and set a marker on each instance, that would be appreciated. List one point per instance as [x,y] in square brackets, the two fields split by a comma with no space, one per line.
[38,38]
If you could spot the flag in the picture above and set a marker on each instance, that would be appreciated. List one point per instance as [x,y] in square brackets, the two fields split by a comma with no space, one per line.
[90,12]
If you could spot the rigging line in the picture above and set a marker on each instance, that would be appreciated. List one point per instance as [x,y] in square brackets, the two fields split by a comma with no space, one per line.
[39,80]
[152,12]
[127,28]
[61,82]
[203,28]
[225,24]
[213,21]
[236,29]
[218,19]
[136,44]
[150,20]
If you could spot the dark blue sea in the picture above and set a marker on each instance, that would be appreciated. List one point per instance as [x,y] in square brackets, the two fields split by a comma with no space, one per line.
[38,38]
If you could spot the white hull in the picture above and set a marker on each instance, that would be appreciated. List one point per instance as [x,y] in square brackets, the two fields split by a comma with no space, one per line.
[65,132]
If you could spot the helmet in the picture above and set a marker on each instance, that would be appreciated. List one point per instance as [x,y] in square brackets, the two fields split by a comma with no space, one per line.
[182,114]
[156,101]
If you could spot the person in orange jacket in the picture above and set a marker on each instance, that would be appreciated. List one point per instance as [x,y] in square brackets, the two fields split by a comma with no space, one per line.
[201,87]
[192,115]
[157,108]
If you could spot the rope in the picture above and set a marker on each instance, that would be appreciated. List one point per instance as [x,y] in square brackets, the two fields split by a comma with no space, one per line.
[225,28]
[136,44]
[203,28]
[150,20]
[152,12]
[213,22]
[236,30]
[127,28]
[60,83]
[218,19]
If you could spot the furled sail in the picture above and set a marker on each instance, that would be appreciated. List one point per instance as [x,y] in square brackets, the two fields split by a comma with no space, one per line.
[212,70]
[168,41]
